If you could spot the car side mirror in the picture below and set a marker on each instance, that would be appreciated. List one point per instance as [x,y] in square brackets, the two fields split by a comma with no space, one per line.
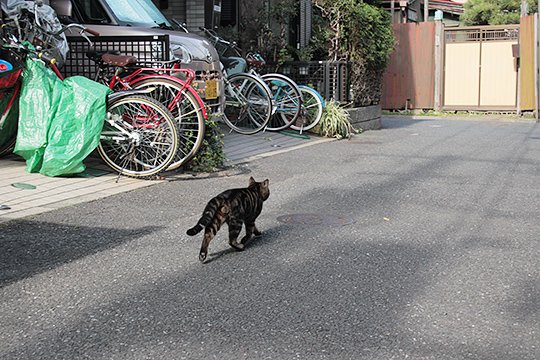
[63,8]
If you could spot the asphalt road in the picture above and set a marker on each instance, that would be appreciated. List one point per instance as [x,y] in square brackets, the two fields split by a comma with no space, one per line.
[423,243]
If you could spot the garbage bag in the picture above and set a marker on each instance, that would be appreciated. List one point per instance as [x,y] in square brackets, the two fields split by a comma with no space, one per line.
[48,20]
[59,121]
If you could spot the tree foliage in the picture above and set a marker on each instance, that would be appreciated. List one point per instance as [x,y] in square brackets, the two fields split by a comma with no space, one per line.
[494,12]
[361,33]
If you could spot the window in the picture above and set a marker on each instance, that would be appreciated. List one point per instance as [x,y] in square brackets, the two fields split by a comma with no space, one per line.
[91,12]
[229,11]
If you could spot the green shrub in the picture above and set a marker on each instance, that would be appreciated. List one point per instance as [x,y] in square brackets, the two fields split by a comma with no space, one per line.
[210,156]
[335,122]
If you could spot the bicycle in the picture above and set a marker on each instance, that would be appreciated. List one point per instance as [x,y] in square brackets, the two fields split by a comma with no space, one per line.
[249,102]
[123,72]
[312,109]
[285,92]
[139,136]
[10,82]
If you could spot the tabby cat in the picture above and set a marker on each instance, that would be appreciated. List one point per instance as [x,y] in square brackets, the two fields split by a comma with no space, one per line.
[234,207]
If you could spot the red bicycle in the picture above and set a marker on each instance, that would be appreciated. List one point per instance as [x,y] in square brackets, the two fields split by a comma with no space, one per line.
[11,65]
[123,72]
[139,136]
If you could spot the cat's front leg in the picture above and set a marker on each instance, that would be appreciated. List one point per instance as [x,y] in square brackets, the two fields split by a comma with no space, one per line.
[256,231]
[251,230]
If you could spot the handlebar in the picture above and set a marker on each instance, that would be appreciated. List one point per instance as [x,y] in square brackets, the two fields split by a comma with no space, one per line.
[218,39]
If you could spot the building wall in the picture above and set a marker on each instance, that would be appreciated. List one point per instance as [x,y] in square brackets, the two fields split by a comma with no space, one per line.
[195,14]
[192,12]
[176,9]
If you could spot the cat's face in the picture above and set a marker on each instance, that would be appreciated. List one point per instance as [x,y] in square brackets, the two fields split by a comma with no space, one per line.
[262,187]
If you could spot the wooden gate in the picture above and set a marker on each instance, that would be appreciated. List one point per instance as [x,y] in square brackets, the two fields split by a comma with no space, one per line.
[480,68]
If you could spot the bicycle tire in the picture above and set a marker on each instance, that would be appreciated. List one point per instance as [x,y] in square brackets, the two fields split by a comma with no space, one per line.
[287,98]
[7,147]
[248,104]
[147,141]
[8,144]
[312,109]
[187,113]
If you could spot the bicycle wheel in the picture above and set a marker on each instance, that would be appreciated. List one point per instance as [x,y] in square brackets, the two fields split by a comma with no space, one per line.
[187,113]
[287,98]
[139,137]
[7,146]
[248,104]
[8,122]
[312,109]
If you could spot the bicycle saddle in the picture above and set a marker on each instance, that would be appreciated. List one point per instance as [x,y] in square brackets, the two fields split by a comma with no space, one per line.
[111,57]
[229,62]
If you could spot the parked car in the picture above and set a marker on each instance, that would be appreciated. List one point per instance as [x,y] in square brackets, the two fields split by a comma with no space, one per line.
[143,18]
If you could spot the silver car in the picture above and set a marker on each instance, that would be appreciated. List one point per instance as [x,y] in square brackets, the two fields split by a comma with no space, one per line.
[143,18]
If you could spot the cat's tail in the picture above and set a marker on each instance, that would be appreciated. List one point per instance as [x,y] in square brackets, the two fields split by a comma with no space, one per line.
[206,218]
[195,230]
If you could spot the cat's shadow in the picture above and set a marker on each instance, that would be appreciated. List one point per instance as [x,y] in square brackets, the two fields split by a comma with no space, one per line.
[268,236]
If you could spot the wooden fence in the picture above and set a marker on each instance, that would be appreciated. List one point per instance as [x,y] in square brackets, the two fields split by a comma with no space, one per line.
[409,78]
[478,68]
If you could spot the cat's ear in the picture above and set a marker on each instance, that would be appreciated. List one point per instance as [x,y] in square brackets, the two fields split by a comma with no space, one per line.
[266,182]
[251,180]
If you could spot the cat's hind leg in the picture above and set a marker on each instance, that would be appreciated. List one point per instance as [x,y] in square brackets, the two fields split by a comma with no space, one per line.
[209,233]
[208,236]
[211,230]
[235,227]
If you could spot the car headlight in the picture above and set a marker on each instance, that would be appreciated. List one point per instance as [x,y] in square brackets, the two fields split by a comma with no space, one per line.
[179,52]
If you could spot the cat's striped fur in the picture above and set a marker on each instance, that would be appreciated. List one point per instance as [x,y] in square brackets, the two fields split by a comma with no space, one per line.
[234,207]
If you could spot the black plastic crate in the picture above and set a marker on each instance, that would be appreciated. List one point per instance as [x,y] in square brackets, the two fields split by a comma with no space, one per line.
[144,48]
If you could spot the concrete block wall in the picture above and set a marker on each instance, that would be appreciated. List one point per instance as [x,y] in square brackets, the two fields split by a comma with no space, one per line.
[194,14]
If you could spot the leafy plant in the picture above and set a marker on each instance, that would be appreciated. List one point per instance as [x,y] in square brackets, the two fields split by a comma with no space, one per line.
[305,54]
[494,12]
[360,33]
[210,156]
[284,55]
[335,122]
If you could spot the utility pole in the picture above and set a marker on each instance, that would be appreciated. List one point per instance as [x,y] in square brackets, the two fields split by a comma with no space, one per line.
[426,10]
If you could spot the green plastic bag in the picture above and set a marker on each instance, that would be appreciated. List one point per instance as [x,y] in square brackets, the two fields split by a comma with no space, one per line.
[59,121]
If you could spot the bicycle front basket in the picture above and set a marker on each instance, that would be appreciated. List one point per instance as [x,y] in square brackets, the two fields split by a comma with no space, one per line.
[11,65]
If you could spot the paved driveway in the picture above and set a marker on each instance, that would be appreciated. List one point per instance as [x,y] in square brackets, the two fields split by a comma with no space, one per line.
[416,241]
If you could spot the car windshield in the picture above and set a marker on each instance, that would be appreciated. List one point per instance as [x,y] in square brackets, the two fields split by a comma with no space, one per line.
[137,13]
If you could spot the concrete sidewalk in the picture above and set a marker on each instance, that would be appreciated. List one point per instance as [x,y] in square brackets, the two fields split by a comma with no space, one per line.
[98,181]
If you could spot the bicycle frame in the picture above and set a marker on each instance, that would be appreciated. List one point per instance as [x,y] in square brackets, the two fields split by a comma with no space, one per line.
[141,74]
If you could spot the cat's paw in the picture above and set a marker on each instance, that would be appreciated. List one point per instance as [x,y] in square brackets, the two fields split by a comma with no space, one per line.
[202,256]
[238,246]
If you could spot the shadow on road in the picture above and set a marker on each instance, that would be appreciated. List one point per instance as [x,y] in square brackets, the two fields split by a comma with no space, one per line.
[31,247]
